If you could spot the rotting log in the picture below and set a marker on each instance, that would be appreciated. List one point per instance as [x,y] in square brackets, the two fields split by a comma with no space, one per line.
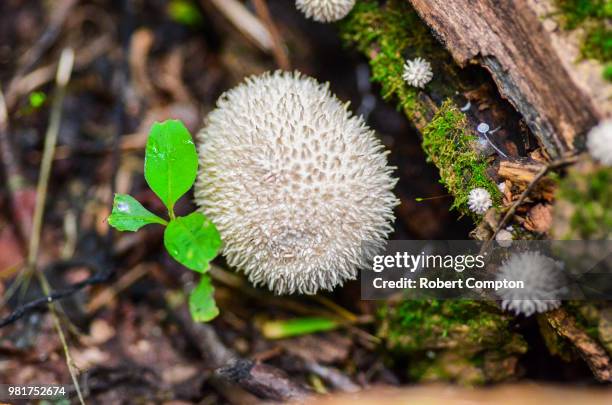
[541,85]
[530,66]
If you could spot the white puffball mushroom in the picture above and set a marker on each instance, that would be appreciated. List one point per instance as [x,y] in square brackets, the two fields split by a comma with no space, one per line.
[325,10]
[599,142]
[543,279]
[479,200]
[501,187]
[298,187]
[417,72]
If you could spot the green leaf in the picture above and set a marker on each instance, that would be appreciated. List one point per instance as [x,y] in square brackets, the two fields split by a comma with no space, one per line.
[192,241]
[129,215]
[202,302]
[297,326]
[171,161]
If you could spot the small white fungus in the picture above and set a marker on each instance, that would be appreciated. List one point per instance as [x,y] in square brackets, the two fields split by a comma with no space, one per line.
[543,283]
[502,187]
[504,238]
[599,142]
[325,10]
[479,200]
[483,128]
[298,186]
[417,72]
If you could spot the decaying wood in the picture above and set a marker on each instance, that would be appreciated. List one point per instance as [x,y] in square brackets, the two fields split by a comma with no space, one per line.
[591,351]
[518,171]
[510,40]
[263,380]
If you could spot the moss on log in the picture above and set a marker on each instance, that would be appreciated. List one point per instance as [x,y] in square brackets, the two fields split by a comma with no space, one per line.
[467,342]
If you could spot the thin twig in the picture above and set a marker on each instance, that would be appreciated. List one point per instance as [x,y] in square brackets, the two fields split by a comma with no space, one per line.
[39,77]
[539,176]
[59,13]
[278,47]
[246,23]
[39,304]
[15,180]
[62,77]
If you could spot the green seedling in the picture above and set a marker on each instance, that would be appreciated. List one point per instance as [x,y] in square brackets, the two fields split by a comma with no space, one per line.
[171,165]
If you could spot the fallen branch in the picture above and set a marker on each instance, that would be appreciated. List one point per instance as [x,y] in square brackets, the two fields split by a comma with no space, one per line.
[595,356]
[263,380]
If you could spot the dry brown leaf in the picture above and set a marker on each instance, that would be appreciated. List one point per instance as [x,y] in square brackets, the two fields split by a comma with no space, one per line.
[539,218]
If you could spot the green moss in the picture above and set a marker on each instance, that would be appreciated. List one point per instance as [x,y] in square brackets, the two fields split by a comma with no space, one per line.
[607,73]
[584,201]
[449,145]
[465,341]
[388,35]
[594,17]
[557,346]
[587,316]
[595,318]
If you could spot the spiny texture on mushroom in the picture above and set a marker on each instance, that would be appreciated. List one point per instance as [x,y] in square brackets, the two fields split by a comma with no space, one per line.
[599,142]
[325,10]
[479,200]
[294,182]
[417,72]
[543,279]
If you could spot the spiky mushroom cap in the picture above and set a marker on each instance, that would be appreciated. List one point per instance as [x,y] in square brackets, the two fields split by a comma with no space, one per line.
[417,72]
[599,142]
[479,200]
[543,278]
[325,10]
[298,187]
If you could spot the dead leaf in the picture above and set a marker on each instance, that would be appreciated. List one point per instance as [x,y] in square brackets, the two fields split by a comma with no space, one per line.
[100,332]
[328,348]
[11,257]
[539,218]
